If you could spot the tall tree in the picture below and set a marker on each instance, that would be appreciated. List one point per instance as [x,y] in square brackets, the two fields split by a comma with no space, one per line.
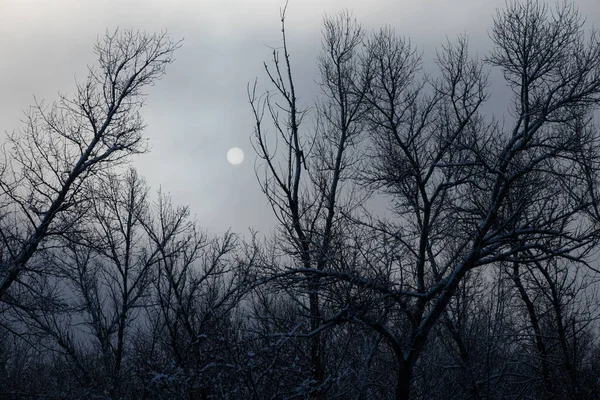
[43,172]
[452,176]
[110,267]
[304,182]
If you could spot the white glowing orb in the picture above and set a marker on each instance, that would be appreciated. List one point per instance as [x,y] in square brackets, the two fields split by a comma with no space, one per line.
[235,155]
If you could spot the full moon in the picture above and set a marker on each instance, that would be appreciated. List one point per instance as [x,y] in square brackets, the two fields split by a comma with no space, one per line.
[235,156]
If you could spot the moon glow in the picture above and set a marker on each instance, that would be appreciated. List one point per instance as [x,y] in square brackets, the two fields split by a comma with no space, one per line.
[235,156]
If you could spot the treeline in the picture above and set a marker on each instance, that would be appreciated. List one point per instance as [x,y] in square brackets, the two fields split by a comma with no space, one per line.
[479,281]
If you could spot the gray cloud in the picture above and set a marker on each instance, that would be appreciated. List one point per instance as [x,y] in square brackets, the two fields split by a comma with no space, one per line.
[199,110]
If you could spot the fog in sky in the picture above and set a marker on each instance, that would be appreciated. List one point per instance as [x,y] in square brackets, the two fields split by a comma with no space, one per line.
[199,109]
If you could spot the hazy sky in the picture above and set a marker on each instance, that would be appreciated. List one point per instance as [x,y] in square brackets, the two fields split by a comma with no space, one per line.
[199,109]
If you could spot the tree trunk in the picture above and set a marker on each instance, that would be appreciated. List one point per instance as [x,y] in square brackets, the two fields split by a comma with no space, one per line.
[534,320]
[316,351]
[404,381]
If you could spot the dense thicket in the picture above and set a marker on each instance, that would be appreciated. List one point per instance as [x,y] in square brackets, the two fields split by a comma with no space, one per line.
[480,280]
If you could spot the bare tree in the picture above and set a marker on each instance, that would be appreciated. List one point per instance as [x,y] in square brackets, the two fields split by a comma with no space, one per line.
[61,146]
[479,281]
[452,175]
[111,266]
[304,182]
[198,285]
[466,192]
[96,283]
[561,308]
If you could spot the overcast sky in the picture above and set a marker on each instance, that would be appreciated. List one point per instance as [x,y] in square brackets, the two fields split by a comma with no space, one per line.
[199,109]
